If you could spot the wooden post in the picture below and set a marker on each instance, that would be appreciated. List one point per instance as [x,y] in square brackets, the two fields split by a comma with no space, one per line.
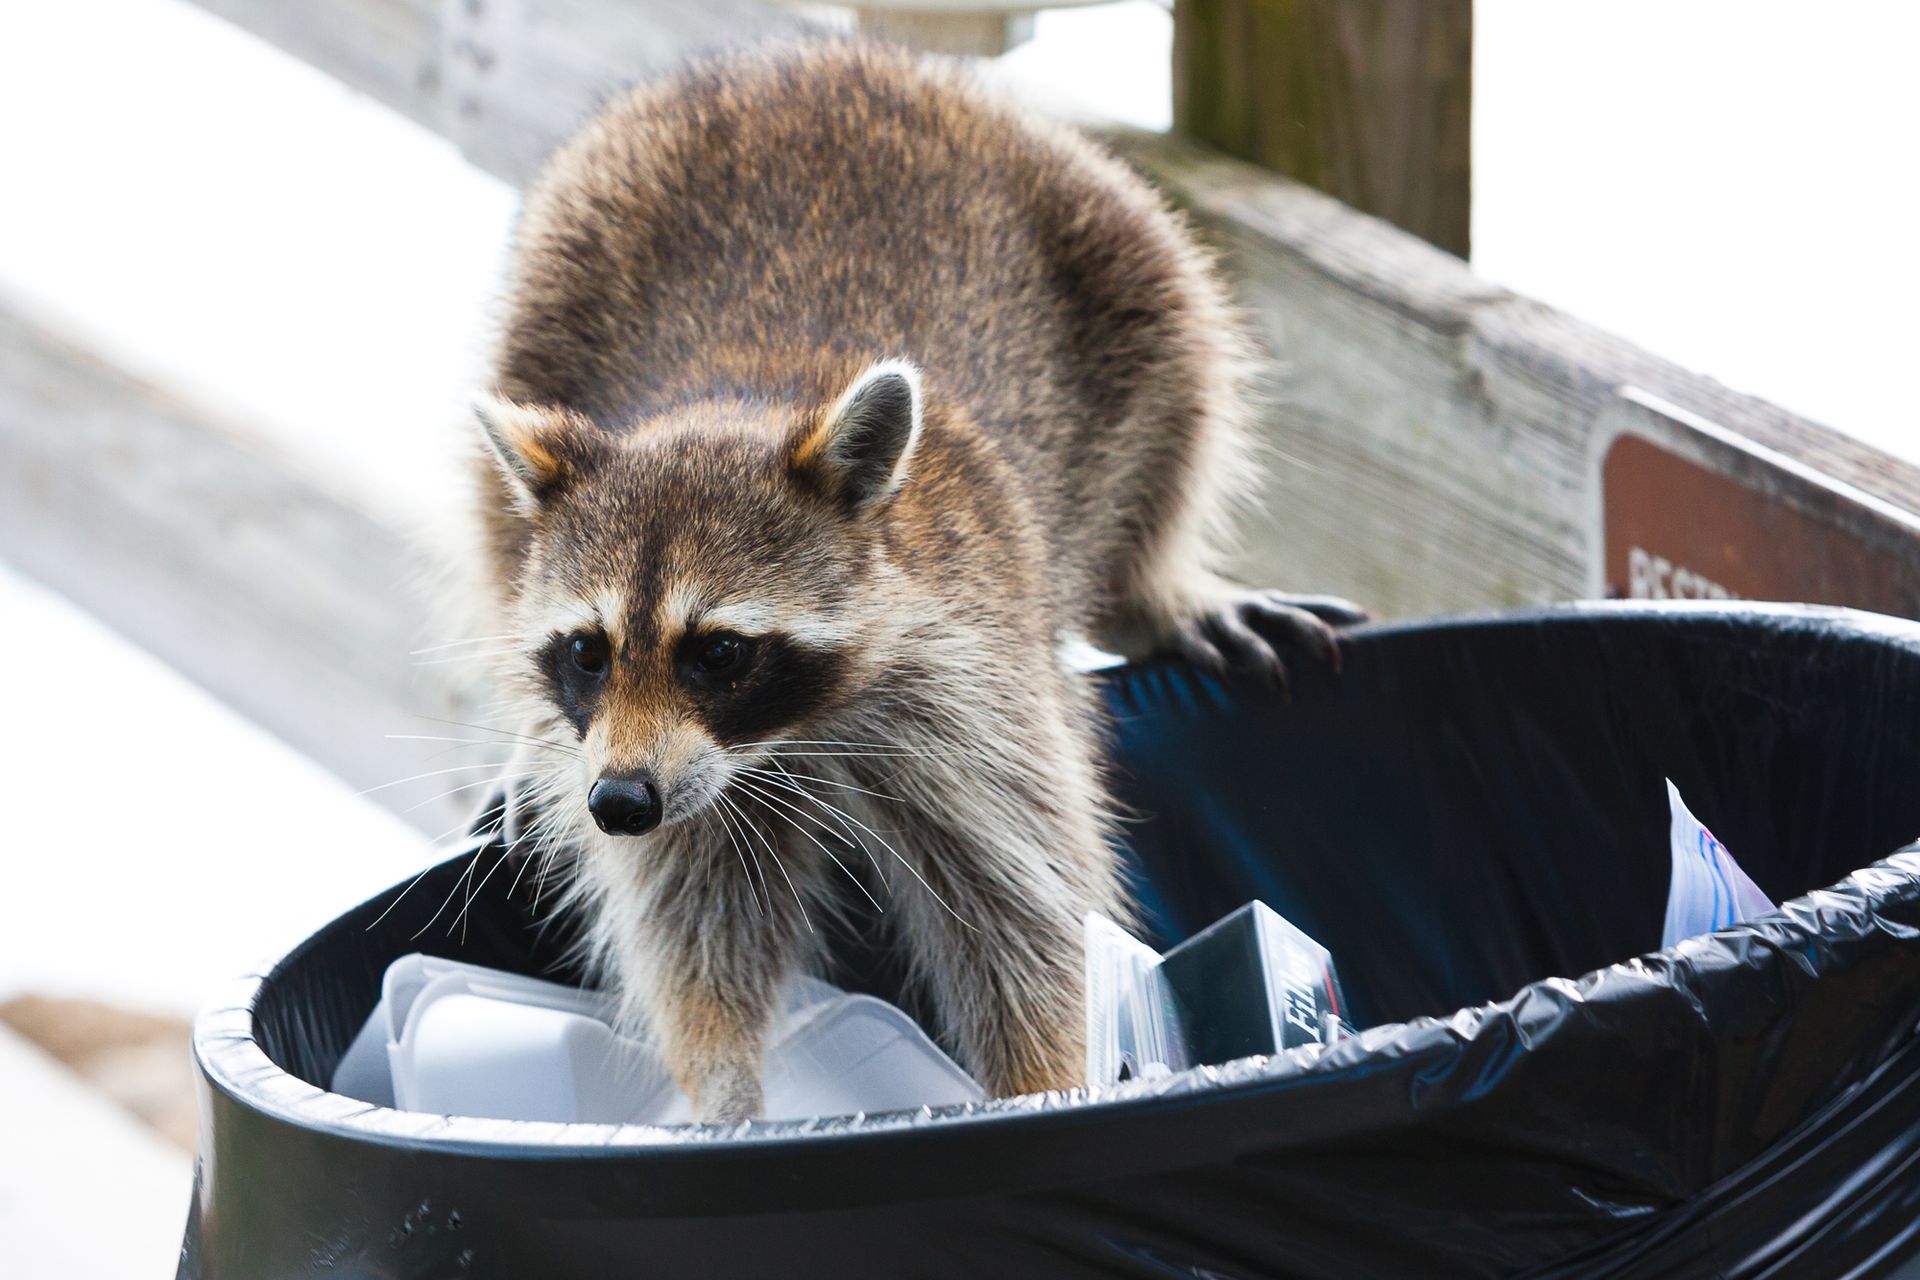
[1368,100]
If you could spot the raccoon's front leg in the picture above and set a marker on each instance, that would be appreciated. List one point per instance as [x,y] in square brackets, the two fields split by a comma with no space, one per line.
[713,1038]
[1004,964]
[1008,865]
[701,965]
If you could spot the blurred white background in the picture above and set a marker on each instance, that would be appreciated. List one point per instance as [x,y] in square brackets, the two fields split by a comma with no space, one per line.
[1729,183]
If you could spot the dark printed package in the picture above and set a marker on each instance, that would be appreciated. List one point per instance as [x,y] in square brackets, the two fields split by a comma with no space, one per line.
[1246,986]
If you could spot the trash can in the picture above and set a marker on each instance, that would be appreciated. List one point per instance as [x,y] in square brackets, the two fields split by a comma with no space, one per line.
[1472,817]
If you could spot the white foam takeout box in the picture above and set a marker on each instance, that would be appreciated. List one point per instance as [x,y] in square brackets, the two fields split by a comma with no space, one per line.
[462,1039]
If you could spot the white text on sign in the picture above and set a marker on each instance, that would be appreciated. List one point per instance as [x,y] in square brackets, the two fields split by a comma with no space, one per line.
[1652,577]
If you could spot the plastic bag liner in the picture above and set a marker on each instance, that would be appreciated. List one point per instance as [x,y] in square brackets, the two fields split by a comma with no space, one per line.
[1472,818]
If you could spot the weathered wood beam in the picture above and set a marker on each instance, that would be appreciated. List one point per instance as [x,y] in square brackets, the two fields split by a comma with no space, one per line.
[1437,442]
[209,547]
[505,80]
[1367,100]
[390,50]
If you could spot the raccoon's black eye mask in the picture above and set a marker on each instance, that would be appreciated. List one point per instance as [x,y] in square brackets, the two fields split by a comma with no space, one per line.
[577,664]
[718,657]
[754,687]
[742,686]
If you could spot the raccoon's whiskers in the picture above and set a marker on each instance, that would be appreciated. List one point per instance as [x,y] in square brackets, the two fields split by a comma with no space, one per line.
[525,862]
[454,644]
[506,856]
[543,833]
[546,857]
[542,777]
[545,854]
[833,811]
[483,836]
[468,786]
[444,752]
[478,841]
[858,755]
[465,878]
[486,655]
[746,830]
[844,835]
[726,825]
[758,904]
[509,733]
[847,750]
[846,832]
[476,742]
[773,853]
[767,799]
[710,816]
[889,848]
[890,748]
[460,846]
[432,773]
[825,782]
[473,891]
[559,819]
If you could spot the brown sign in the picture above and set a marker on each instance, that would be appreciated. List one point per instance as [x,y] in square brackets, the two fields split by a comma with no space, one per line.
[1678,529]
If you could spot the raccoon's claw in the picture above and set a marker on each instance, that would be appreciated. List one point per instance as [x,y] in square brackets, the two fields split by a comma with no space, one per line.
[1247,630]
[1337,610]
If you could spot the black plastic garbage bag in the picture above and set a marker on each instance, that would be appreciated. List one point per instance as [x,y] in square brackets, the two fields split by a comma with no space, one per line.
[1472,818]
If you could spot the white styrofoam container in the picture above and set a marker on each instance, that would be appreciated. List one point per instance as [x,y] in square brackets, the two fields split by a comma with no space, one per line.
[460,1039]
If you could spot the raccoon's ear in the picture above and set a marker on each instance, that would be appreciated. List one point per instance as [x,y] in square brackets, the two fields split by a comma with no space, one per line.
[540,448]
[859,448]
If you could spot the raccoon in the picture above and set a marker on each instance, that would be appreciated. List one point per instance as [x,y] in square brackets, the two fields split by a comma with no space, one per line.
[833,397]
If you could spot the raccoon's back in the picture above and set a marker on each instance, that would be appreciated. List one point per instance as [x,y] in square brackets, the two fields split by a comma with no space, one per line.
[756,223]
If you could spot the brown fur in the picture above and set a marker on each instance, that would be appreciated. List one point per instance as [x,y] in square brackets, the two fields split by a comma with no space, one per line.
[700,280]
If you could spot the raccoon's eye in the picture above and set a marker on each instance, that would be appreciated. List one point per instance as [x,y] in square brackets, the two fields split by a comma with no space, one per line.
[589,652]
[719,654]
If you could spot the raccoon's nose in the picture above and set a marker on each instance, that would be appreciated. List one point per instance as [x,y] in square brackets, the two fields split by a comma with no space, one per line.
[625,806]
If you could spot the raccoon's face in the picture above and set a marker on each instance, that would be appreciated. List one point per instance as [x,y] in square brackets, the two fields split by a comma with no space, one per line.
[704,586]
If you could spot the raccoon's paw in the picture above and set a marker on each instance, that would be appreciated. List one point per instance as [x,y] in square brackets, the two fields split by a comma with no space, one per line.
[1058,1065]
[726,1094]
[1248,630]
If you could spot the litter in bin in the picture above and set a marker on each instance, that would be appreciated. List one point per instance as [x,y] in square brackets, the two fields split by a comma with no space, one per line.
[1709,890]
[1249,984]
[1132,1030]
[461,1039]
